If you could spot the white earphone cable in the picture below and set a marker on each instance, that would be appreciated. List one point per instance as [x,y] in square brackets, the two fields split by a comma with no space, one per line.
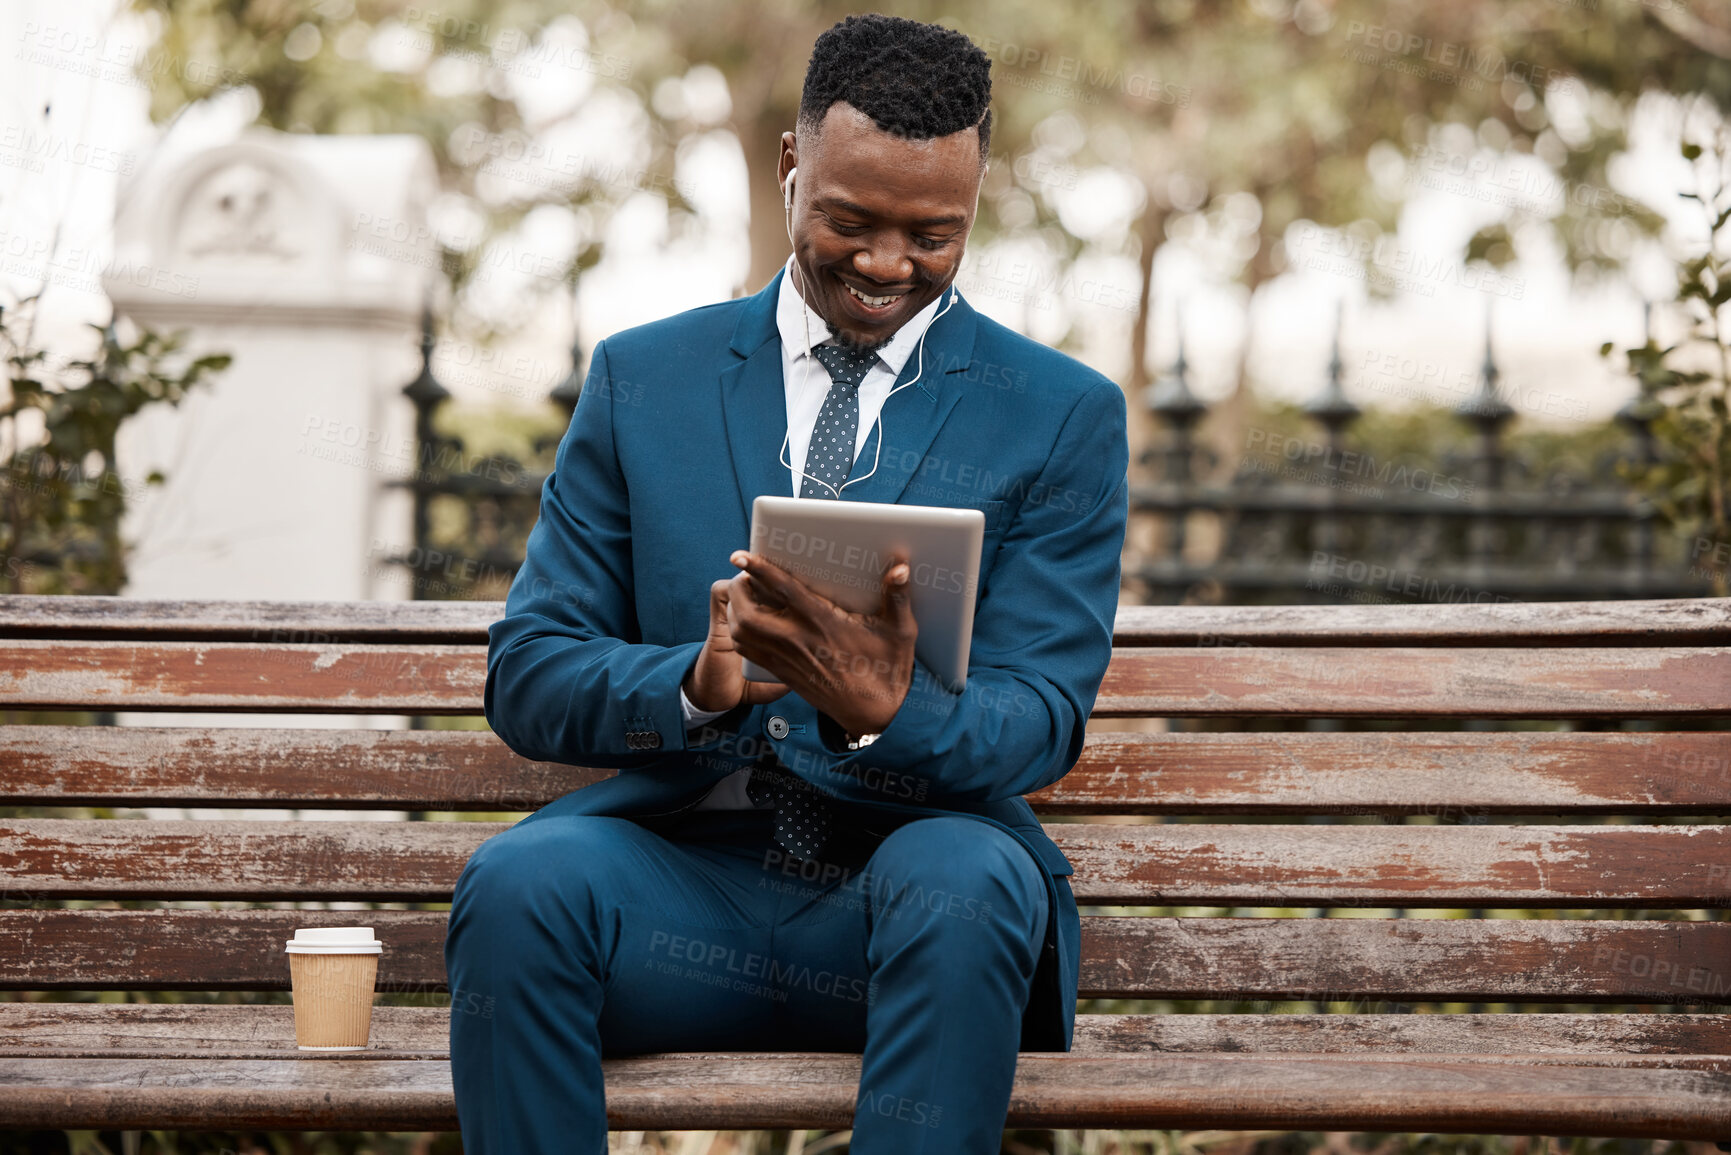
[877,448]
[805,373]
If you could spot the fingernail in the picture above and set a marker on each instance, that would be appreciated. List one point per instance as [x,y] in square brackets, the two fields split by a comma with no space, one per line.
[737,557]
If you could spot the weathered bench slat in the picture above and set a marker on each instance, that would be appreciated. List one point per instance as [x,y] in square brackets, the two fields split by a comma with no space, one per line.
[212,950]
[1156,681]
[386,861]
[1686,621]
[1333,960]
[1609,1096]
[195,1030]
[97,618]
[337,679]
[1443,960]
[167,1030]
[1407,682]
[219,766]
[1449,774]
[1695,621]
[1408,866]
[1195,864]
[1507,1034]
[1446,774]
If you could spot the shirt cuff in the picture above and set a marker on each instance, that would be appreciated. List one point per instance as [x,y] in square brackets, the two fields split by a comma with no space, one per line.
[693,716]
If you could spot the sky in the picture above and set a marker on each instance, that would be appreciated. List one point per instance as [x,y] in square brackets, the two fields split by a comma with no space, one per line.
[62,174]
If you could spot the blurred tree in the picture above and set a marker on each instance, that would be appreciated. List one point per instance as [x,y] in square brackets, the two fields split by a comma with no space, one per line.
[1246,128]
[1238,118]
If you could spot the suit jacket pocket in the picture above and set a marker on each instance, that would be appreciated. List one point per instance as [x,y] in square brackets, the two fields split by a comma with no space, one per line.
[1045,850]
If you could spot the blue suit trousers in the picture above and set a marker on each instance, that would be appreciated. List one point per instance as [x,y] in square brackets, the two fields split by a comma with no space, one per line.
[578,937]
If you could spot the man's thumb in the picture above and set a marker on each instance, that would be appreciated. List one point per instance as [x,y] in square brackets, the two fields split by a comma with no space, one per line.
[895,591]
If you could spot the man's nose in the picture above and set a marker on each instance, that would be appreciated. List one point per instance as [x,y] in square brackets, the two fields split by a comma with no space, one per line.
[885,260]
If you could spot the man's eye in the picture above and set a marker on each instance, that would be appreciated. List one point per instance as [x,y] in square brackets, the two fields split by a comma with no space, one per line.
[847,230]
[931,242]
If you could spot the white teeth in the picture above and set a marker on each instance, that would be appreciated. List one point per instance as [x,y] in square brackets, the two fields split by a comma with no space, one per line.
[874,302]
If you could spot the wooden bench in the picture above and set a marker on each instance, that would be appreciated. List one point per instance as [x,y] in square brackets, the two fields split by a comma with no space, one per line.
[1275,838]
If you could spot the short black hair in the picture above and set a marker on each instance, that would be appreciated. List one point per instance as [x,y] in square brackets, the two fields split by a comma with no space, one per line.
[915,80]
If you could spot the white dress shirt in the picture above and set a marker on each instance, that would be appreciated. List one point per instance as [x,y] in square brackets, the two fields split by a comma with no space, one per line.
[806,383]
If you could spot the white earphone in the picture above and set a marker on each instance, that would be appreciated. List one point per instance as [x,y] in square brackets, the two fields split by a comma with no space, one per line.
[787,205]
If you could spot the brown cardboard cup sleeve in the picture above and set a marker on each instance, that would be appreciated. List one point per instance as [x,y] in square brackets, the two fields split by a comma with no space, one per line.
[332,970]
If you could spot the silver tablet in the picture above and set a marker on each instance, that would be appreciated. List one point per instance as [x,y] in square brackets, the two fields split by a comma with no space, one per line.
[841,549]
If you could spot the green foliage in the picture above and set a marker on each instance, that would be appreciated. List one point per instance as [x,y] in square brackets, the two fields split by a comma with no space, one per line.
[63,499]
[1684,384]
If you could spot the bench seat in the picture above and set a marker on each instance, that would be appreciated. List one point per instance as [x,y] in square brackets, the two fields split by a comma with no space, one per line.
[235,1066]
[1579,868]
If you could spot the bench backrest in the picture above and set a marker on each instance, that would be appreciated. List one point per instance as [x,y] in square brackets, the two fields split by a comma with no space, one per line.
[1300,816]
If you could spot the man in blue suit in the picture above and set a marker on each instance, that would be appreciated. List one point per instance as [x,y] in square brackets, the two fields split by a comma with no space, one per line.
[840,861]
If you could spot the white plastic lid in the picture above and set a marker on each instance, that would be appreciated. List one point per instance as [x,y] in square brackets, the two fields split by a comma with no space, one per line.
[335,940]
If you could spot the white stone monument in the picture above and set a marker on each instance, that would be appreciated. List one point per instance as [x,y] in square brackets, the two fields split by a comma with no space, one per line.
[308,258]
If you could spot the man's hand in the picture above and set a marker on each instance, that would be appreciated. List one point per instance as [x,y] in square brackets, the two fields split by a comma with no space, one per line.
[716,682]
[856,668]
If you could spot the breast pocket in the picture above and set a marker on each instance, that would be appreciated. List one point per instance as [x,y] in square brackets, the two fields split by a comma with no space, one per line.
[997,516]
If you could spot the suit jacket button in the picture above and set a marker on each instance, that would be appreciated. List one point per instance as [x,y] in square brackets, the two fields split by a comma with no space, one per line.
[651,740]
[777,727]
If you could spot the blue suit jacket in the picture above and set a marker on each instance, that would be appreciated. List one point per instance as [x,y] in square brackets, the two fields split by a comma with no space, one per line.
[678,430]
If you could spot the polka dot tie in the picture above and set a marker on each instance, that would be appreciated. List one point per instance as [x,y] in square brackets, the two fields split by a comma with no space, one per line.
[830,457]
[803,818]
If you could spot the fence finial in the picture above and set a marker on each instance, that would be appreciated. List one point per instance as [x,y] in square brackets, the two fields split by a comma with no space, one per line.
[1486,408]
[566,393]
[1170,394]
[425,391]
[1331,406]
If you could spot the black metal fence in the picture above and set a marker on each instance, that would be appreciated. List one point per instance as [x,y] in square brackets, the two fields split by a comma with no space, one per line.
[1303,519]
[493,499]
[1312,519]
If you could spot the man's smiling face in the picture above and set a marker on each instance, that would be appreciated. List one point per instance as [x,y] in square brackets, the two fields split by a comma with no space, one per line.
[879,220]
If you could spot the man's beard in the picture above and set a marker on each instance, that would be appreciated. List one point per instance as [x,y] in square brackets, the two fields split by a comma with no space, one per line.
[848,344]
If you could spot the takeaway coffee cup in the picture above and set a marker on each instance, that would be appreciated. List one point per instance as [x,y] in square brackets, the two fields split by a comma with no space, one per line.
[332,970]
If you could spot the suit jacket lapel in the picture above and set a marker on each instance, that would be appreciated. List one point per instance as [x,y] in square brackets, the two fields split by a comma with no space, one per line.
[912,416]
[754,403]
